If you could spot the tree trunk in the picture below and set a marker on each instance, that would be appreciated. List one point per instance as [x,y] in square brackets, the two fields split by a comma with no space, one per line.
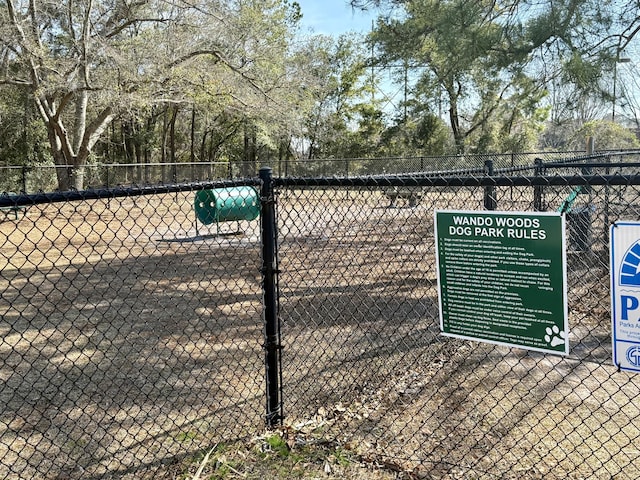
[172,144]
[454,119]
[70,158]
[63,171]
[151,120]
[163,150]
[192,153]
[250,151]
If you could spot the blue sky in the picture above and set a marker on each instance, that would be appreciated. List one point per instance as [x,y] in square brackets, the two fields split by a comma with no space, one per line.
[333,17]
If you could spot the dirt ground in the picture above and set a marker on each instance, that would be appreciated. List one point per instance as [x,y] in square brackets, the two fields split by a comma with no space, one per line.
[131,339]
[128,339]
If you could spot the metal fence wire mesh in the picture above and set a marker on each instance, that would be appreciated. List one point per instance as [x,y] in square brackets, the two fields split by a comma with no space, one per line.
[130,337]
[364,361]
[132,332]
[43,176]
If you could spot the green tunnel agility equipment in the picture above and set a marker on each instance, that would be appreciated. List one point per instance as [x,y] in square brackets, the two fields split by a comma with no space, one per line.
[227,204]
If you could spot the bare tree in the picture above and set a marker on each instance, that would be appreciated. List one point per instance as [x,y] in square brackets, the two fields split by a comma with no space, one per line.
[86,62]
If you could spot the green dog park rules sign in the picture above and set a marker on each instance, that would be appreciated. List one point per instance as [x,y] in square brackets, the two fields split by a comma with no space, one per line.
[501,278]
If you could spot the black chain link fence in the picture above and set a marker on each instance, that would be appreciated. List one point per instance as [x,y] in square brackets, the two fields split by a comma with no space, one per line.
[365,364]
[37,177]
[131,334]
[133,337]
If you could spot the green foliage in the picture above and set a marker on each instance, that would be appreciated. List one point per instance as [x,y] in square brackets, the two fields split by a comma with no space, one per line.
[515,124]
[278,445]
[185,436]
[489,62]
[582,72]
[421,135]
[269,457]
[463,47]
[21,132]
[22,140]
[607,135]
[343,121]
[237,80]
[233,58]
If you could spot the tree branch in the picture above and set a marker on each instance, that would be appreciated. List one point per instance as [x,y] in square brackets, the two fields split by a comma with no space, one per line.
[95,128]
[220,58]
[119,28]
[63,138]
[16,82]
[34,23]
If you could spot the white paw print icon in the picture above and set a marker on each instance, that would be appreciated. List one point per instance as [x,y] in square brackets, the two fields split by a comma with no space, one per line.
[554,336]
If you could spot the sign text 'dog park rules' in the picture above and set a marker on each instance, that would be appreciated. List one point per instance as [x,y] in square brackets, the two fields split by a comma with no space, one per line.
[502,278]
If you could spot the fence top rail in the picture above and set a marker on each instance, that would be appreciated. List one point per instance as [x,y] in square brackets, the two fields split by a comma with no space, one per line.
[609,156]
[22,199]
[446,181]
[573,156]
[117,165]
[523,168]
[591,165]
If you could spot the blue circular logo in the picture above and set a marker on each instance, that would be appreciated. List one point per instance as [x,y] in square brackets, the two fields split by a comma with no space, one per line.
[633,355]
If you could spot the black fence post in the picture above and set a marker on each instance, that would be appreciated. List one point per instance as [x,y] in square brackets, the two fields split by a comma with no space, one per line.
[269,289]
[490,202]
[538,189]
[24,179]
[606,225]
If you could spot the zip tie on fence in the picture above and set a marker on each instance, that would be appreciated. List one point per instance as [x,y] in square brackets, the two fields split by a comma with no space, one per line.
[270,270]
[278,347]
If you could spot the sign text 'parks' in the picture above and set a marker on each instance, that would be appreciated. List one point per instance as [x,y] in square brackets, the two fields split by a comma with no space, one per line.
[501,278]
[625,294]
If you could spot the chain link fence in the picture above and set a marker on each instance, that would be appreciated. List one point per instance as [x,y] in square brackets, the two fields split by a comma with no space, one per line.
[133,332]
[365,363]
[44,177]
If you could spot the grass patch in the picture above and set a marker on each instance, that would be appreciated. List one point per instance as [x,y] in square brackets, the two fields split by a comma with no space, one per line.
[279,455]
[185,436]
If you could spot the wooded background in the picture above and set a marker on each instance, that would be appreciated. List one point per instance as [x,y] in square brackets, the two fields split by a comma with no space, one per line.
[154,81]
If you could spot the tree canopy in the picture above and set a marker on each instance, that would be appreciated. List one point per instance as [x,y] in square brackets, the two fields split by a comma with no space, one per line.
[499,67]
[86,63]
[141,81]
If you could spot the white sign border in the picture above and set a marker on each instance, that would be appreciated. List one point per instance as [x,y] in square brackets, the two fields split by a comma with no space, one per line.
[613,278]
[565,303]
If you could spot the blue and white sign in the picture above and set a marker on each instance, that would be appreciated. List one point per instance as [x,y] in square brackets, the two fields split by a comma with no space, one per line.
[625,294]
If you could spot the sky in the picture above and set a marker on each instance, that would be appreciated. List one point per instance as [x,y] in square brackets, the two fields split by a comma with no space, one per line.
[333,17]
